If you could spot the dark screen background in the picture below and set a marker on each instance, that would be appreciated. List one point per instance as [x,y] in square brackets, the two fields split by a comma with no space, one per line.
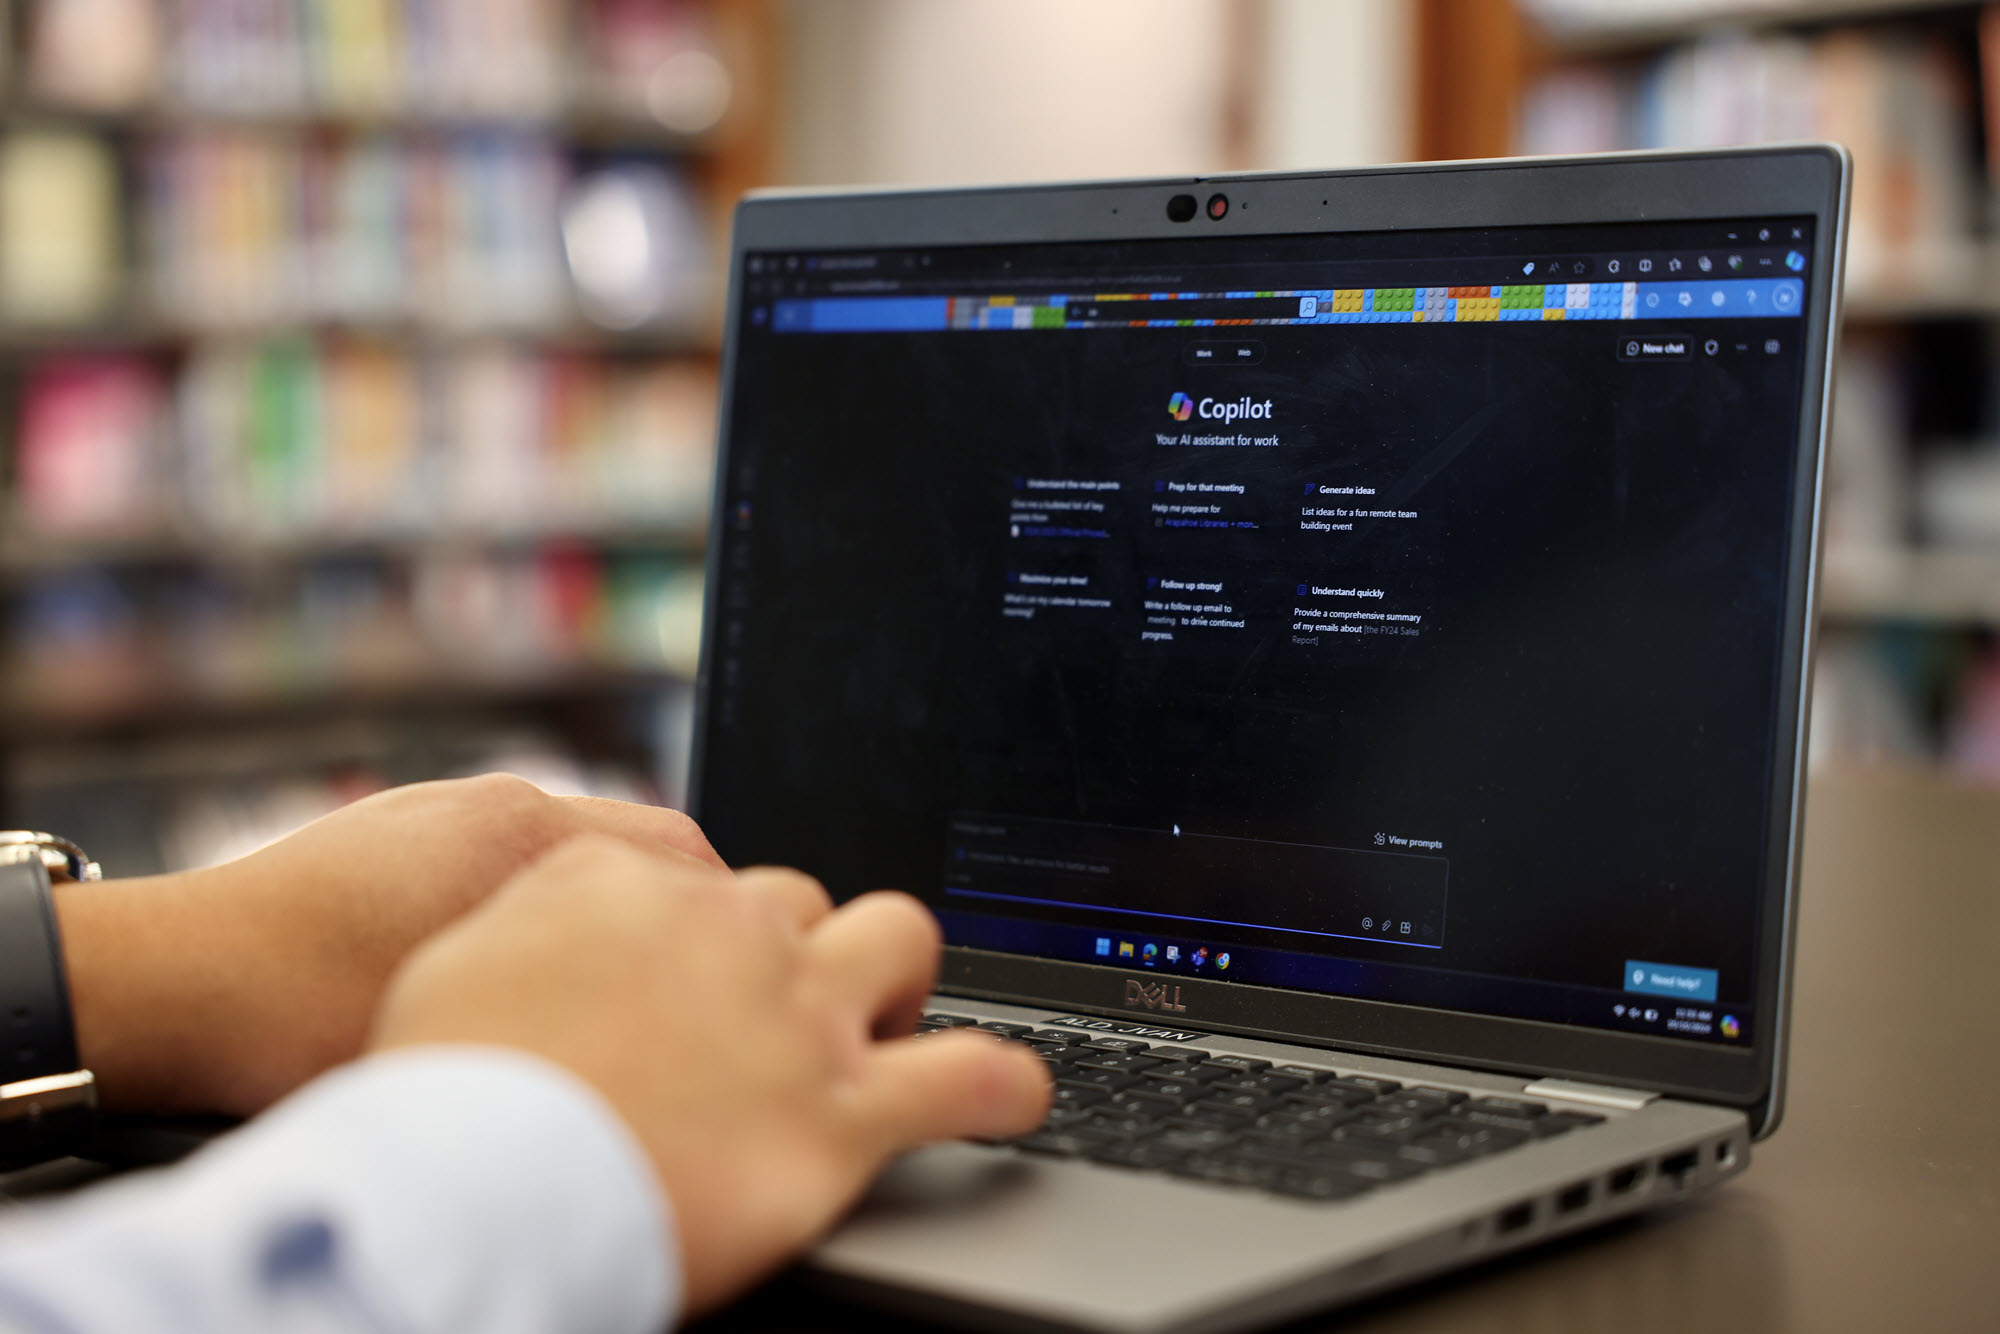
[1584,722]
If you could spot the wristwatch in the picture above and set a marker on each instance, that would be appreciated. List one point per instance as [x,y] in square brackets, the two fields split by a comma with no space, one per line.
[46,1097]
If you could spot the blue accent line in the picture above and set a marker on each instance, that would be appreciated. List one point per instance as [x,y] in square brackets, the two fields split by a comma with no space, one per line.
[861,314]
[1177,917]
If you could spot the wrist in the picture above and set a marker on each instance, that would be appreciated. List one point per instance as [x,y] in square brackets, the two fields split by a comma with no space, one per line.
[148,992]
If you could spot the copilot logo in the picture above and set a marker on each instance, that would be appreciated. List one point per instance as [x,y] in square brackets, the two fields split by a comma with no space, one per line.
[1180,407]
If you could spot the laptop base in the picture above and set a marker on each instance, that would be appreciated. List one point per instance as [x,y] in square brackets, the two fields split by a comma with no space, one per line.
[992,1237]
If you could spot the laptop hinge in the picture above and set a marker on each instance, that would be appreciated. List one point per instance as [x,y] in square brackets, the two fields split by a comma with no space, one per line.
[1602,1095]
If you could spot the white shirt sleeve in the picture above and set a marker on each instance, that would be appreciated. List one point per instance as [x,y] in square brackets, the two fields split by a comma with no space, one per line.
[469,1190]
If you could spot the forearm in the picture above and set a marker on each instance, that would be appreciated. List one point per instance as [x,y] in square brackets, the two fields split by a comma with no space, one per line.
[440,1189]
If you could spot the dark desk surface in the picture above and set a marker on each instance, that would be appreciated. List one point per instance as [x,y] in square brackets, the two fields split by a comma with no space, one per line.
[1876,1206]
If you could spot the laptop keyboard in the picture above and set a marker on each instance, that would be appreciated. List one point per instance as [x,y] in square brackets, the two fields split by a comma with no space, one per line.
[1297,1130]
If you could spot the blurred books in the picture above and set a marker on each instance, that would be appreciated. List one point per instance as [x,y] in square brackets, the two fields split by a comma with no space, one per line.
[1901,102]
[449,59]
[60,250]
[285,444]
[359,360]
[487,512]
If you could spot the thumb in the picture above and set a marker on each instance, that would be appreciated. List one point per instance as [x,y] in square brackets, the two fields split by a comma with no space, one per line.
[951,1085]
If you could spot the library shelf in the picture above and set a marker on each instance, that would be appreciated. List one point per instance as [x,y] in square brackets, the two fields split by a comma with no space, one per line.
[1590,39]
[1936,586]
[33,716]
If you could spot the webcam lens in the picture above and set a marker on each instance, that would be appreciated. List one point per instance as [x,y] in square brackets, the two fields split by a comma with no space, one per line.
[1180,208]
[1218,207]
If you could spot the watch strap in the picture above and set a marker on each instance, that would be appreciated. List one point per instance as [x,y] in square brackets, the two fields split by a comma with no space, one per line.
[43,1093]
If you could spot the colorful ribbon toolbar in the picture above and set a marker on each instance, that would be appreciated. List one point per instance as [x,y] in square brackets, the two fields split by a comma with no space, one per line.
[1723,298]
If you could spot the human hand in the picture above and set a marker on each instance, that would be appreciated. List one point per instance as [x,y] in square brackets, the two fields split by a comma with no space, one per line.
[753,1038]
[221,990]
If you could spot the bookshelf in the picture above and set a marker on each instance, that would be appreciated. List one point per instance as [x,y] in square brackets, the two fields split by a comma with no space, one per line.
[1596,31]
[357,378]
[1910,593]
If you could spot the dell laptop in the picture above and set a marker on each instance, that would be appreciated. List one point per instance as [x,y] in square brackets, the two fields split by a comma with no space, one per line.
[1333,650]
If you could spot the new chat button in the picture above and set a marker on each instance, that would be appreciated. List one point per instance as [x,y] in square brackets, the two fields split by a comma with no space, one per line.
[1655,347]
[1670,979]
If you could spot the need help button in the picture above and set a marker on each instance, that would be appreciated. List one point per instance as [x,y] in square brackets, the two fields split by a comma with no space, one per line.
[1667,979]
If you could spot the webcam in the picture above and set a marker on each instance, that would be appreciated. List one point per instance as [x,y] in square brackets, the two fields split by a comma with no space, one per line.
[1180,208]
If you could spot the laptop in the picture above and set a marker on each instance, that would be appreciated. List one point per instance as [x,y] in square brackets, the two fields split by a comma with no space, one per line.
[1333,651]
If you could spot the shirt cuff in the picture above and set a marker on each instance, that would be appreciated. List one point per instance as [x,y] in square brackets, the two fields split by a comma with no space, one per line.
[426,1189]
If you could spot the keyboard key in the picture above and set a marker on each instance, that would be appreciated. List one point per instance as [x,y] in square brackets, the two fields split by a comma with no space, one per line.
[1270,1085]
[1345,1151]
[1189,1136]
[1118,1044]
[1523,1124]
[1473,1139]
[1226,1169]
[1332,1095]
[922,1029]
[1247,1064]
[1320,1183]
[1147,1155]
[1187,1054]
[1250,1101]
[1288,1135]
[1063,1143]
[1384,1169]
[1077,1094]
[1376,1088]
[1423,1101]
[1066,1036]
[949,1020]
[1433,1151]
[1557,1123]
[1108,1080]
[1178,1090]
[1121,1062]
[1299,1109]
[1142,1104]
[1372,1129]
[1052,1051]
[1509,1106]
[1220,1114]
[1066,1114]
[1309,1074]
[1113,1121]
[1005,1030]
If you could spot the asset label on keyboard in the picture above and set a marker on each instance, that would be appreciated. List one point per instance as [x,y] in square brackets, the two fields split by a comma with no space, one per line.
[1123,1029]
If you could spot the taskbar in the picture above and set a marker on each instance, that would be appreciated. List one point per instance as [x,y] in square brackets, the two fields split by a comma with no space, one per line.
[1719,1023]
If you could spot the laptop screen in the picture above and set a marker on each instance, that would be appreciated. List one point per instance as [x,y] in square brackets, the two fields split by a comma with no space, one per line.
[1393,616]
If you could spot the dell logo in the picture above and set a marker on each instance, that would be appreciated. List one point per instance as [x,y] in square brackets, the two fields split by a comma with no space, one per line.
[1152,995]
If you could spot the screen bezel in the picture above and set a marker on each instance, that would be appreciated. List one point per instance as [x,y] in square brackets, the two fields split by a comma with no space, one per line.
[1801,180]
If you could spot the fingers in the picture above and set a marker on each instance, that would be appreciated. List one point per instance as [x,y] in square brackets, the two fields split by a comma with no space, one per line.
[953,1085]
[653,827]
[802,899]
[879,955]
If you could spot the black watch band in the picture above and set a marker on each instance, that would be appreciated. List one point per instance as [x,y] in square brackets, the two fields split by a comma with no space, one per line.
[45,1098]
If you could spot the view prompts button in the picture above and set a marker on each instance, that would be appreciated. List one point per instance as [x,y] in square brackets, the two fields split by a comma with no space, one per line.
[1246,352]
[1665,979]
